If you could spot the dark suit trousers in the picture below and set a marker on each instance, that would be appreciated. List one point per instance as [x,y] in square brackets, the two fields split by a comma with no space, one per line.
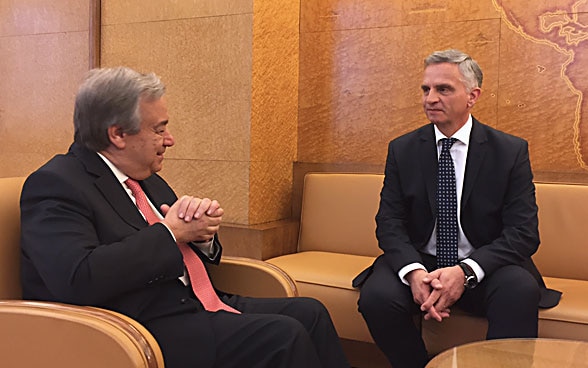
[508,299]
[273,332]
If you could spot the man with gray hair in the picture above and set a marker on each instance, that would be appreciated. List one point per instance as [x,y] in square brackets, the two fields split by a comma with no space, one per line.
[101,228]
[457,223]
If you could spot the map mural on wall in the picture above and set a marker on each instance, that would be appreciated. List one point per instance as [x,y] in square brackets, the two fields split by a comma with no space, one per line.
[563,27]
[361,67]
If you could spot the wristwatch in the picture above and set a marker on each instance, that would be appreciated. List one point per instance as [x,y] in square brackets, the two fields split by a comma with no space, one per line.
[470,280]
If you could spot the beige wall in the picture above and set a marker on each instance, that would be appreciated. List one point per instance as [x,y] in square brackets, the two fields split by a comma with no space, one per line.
[231,69]
[360,73]
[203,54]
[43,56]
[262,91]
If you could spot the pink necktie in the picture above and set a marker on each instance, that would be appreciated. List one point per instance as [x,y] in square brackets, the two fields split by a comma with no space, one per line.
[198,276]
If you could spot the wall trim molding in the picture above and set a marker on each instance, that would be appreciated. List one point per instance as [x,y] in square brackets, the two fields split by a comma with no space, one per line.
[95,33]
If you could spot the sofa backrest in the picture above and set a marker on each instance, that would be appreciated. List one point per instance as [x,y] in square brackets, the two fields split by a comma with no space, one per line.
[10,189]
[563,228]
[338,215]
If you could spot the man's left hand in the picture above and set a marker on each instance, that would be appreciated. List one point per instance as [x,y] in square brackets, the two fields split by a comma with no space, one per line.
[194,208]
[447,285]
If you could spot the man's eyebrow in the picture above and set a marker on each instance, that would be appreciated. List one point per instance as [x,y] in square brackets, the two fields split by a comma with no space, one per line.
[444,85]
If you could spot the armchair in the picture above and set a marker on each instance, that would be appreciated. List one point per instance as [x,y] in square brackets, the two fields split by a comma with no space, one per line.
[46,334]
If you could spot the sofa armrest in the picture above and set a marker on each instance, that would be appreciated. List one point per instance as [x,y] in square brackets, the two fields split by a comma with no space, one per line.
[44,334]
[251,277]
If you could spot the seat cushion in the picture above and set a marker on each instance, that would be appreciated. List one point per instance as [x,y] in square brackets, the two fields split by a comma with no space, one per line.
[323,268]
[10,237]
[327,277]
[573,306]
[569,319]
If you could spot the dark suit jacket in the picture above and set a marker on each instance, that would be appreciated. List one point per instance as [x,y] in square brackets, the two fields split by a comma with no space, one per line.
[84,241]
[498,208]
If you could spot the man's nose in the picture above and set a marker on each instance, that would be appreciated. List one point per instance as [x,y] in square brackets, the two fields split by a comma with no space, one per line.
[431,96]
[168,139]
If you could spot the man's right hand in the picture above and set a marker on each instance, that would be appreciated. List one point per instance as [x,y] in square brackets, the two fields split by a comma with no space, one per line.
[420,290]
[426,291]
[193,219]
[442,298]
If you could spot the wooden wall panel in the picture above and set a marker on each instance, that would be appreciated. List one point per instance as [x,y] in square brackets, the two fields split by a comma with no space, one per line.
[542,95]
[539,105]
[356,14]
[203,55]
[360,88]
[28,17]
[43,56]
[139,11]
[361,67]
[258,86]
[204,64]
[274,113]
[232,74]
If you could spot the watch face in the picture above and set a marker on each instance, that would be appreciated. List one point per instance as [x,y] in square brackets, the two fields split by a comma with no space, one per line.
[471,282]
[470,278]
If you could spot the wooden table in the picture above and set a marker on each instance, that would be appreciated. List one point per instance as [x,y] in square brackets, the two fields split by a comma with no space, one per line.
[515,353]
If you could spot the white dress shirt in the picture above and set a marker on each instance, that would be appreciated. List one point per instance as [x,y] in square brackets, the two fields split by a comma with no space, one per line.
[206,247]
[459,154]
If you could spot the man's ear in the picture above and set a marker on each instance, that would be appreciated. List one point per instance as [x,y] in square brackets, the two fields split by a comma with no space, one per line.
[473,96]
[116,135]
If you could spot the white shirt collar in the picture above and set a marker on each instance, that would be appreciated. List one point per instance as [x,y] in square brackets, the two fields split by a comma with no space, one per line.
[462,135]
[119,174]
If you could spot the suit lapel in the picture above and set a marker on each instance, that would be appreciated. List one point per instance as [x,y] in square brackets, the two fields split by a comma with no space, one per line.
[476,152]
[429,162]
[157,193]
[109,186]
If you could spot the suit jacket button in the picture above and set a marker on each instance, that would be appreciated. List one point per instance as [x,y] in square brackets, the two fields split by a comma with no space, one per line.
[184,300]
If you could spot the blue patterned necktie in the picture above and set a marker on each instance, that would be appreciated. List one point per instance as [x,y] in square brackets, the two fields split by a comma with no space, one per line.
[446,208]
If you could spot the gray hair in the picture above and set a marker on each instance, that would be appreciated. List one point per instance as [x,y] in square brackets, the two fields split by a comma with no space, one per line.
[468,67]
[110,96]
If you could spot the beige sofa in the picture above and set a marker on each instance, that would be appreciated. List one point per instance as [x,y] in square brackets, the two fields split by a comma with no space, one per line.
[42,334]
[337,241]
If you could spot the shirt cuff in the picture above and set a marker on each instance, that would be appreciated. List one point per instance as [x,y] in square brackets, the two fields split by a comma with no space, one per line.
[476,267]
[409,268]
[206,247]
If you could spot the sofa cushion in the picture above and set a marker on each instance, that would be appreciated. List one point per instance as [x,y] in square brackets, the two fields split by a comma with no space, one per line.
[323,268]
[562,212]
[569,319]
[10,237]
[573,306]
[327,277]
[338,212]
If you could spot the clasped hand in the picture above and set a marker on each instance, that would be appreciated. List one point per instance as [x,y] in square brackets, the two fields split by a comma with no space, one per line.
[437,291]
[193,219]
